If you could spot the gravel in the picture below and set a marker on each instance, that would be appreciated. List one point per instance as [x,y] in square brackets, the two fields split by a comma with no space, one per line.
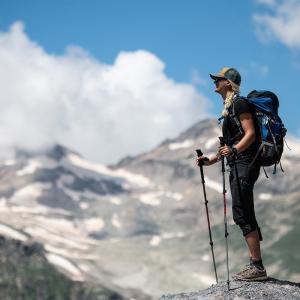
[271,289]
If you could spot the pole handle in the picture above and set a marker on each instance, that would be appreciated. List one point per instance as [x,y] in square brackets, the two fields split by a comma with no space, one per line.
[222,141]
[199,152]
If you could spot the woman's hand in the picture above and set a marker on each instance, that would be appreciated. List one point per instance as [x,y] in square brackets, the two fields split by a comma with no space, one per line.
[225,151]
[203,160]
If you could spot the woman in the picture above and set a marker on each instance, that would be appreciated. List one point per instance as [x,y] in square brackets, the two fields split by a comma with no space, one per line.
[240,149]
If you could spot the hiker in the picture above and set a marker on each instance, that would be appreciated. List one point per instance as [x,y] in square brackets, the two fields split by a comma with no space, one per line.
[240,149]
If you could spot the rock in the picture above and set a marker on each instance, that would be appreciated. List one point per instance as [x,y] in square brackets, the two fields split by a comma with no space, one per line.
[272,289]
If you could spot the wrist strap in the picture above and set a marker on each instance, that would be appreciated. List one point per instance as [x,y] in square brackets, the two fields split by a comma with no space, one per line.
[234,151]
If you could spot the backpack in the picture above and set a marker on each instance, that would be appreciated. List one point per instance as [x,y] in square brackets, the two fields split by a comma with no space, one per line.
[271,128]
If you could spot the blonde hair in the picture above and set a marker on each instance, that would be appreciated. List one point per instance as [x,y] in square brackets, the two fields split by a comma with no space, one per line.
[229,97]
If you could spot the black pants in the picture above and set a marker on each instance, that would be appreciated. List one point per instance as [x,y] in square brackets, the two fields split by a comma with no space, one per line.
[242,179]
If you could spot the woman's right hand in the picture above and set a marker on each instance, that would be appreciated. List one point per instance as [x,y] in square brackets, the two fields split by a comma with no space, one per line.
[203,160]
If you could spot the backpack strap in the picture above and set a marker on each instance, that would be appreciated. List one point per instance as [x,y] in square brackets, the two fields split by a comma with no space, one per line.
[234,116]
[265,172]
[238,123]
[273,138]
[256,156]
[275,167]
[281,166]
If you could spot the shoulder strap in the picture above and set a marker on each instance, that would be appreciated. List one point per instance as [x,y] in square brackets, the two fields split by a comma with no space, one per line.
[235,118]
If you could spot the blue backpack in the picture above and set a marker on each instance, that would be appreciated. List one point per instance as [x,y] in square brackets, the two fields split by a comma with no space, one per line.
[271,129]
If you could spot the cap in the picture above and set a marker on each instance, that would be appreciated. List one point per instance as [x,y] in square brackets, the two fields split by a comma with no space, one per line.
[228,73]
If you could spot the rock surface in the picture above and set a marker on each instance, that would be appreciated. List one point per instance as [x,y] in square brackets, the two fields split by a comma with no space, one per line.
[272,289]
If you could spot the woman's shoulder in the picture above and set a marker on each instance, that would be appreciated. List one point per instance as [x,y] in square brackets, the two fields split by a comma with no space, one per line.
[241,105]
[239,100]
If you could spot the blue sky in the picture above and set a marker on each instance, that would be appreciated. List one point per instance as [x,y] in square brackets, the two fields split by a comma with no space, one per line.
[192,38]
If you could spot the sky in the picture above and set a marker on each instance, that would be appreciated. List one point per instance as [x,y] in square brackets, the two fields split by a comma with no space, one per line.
[115,78]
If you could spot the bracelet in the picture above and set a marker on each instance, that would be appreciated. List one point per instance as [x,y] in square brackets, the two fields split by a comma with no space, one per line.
[234,151]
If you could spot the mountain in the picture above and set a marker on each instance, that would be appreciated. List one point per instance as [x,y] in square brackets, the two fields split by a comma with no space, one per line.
[138,228]
[26,274]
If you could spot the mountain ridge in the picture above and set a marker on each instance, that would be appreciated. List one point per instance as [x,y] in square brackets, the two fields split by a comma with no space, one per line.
[140,225]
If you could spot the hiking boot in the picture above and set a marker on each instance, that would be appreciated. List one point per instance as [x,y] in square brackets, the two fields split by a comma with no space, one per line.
[243,270]
[252,273]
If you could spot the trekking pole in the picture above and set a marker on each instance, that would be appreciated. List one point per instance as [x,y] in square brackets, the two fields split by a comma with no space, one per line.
[199,153]
[222,143]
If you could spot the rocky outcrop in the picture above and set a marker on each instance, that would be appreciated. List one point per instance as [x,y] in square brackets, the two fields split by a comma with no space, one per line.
[272,289]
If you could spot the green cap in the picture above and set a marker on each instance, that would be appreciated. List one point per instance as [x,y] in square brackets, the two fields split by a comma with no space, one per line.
[228,73]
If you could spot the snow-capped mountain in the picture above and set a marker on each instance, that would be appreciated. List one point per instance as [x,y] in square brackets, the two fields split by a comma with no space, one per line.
[139,227]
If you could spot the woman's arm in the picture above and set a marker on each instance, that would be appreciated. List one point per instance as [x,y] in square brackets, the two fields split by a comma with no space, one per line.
[246,120]
[207,161]
[249,137]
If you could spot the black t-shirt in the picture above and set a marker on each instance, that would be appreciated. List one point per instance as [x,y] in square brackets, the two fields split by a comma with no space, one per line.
[232,133]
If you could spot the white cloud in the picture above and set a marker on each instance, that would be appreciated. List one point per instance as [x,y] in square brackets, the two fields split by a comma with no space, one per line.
[198,79]
[103,111]
[282,23]
[267,2]
[259,69]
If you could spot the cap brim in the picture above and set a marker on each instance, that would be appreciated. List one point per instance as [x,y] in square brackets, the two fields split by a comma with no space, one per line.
[214,77]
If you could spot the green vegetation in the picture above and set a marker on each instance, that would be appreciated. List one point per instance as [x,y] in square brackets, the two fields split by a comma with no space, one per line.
[26,275]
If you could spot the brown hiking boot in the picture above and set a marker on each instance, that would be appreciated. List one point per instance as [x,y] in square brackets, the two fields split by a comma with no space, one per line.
[251,273]
[243,270]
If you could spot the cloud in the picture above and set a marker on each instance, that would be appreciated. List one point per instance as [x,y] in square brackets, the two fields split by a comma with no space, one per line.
[282,23]
[259,69]
[198,79]
[267,2]
[103,111]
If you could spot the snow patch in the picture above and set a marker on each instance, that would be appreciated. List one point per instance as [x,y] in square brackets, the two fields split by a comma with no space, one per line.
[9,162]
[265,196]
[34,164]
[171,235]
[84,205]
[115,200]
[155,241]
[30,168]
[150,198]
[183,145]
[29,193]
[45,235]
[205,257]
[12,233]
[65,265]
[211,142]
[3,202]
[116,221]
[135,179]
[175,196]
[60,224]
[35,209]
[84,268]
[214,185]
[94,224]
[69,253]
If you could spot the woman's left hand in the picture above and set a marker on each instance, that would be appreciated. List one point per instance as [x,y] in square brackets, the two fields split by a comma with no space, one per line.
[225,151]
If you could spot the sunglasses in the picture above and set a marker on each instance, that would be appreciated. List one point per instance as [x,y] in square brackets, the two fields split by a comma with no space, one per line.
[217,80]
